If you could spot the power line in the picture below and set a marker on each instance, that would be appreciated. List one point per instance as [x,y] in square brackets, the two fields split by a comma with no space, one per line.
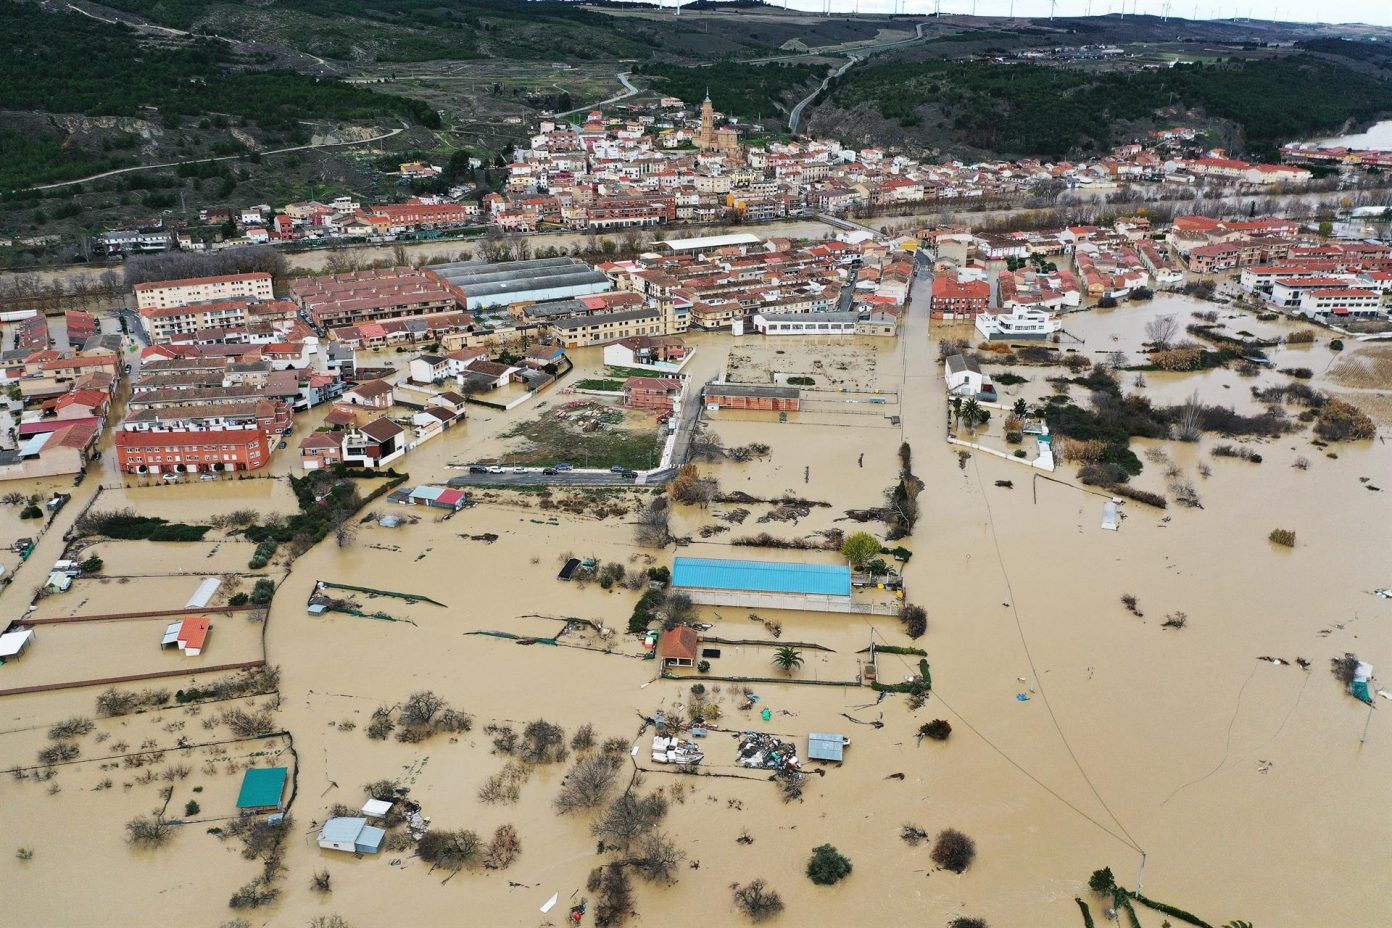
[1038,681]
[937,692]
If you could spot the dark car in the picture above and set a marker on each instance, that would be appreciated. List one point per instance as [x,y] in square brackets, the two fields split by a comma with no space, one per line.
[477,469]
[549,471]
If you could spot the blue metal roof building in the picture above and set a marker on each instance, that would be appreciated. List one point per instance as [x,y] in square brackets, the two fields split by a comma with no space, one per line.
[262,788]
[762,577]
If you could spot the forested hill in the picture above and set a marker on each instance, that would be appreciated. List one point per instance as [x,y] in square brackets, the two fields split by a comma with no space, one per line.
[69,63]
[1033,110]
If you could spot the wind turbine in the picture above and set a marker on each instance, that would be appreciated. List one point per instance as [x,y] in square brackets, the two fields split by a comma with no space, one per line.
[1165,12]
[1053,5]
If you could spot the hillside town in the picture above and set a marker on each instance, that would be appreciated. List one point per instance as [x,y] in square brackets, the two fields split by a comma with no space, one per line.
[662,163]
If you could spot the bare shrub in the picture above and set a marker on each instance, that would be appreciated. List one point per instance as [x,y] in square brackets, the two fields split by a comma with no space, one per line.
[915,619]
[756,900]
[503,849]
[59,753]
[249,724]
[74,727]
[1175,620]
[912,835]
[1282,536]
[254,895]
[504,787]
[652,528]
[583,739]
[420,708]
[449,850]
[321,882]
[954,850]
[381,724]
[148,831]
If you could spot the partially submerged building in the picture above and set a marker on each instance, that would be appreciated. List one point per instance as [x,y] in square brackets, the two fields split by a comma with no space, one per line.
[752,396]
[352,834]
[262,788]
[764,584]
[188,635]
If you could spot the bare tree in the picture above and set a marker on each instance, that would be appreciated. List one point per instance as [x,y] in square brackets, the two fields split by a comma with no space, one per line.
[656,857]
[652,529]
[1161,331]
[589,782]
[629,817]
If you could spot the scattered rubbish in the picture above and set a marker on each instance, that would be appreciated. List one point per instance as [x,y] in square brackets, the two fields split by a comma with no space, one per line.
[1109,515]
[1359,687]
[1383,593]
[551,903]
[1006,484]
[1385,694]
[895,776]
[766,715]
[1022,697]
[1264,765]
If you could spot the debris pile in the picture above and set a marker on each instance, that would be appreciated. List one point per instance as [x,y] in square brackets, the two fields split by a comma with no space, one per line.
[767,752]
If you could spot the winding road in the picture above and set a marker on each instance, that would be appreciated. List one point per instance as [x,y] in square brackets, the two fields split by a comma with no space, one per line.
[796,114]
[629,89]
[174,164]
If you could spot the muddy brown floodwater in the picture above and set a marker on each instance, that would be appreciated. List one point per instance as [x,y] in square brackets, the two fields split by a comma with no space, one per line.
[1244,782]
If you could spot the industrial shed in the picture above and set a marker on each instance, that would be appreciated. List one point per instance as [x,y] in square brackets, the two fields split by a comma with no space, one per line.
[767,584]
[507,282]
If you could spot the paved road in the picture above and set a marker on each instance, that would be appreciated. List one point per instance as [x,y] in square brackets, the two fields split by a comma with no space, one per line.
[623,79]
[796,114]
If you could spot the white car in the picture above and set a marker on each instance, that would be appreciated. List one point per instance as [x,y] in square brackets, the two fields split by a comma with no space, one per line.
[207,476]
[519,469]
[495,469]
[170,478]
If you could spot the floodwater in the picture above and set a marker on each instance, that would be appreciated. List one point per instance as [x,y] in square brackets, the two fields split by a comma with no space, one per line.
[1238,778]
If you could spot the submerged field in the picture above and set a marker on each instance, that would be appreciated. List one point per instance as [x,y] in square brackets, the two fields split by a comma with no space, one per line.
[1175,741]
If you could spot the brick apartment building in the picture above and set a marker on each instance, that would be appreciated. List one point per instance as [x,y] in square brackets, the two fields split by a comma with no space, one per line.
[166,293]
[953,298]
[367,296]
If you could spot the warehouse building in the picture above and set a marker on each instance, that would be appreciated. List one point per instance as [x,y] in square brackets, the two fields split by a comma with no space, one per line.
[752,396]
[764,584]
[504,283]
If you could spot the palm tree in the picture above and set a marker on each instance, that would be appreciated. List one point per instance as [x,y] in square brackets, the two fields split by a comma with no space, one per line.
[956,404]
[787,659]
[971,411]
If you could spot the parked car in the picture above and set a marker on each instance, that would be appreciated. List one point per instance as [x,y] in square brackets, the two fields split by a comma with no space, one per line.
[207,476]
[477,469]
[495,469]
[549,471]
[617,469]
[170,478]
[519,469]
[565,466]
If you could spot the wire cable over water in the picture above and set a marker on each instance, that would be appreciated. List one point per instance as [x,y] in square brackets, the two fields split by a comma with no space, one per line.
[1038,681]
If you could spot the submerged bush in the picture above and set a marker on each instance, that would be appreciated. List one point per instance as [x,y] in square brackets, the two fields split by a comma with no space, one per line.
[827,866]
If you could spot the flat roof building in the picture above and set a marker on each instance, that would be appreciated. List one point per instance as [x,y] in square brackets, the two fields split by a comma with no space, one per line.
[752,396]
[770,584]
[262,788]
[506,282]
